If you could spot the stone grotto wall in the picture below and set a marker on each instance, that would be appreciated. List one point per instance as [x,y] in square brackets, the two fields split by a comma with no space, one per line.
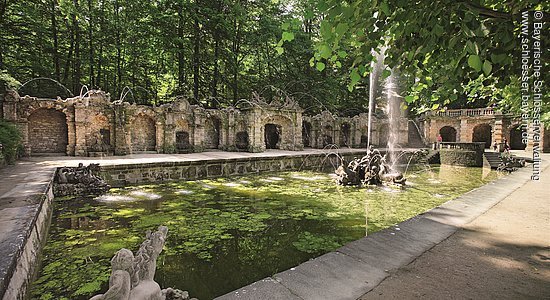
[97,126]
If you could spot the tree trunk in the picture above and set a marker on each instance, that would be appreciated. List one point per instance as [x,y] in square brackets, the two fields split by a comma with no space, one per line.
[100,54]
[91,44]
[77,72]
[118,79]
[235,48]
[196,54]
[69,60]
[216,65]
[181,57]
[57,71]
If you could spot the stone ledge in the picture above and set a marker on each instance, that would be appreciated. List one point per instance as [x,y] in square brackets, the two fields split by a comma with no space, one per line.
[24,222]
[151,172]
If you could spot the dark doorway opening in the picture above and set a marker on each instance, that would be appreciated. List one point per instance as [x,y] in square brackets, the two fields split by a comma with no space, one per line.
[212,136]
[242,140]
[364,141]
[482,133]
[272,136]
[327,136]
[345,134]
[516,142]
[182,141]
[306,134]
[448,134]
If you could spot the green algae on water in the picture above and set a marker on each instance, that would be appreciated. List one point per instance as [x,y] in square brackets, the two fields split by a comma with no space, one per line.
[228,232]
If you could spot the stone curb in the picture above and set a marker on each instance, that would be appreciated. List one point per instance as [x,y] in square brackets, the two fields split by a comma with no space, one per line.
[20,251]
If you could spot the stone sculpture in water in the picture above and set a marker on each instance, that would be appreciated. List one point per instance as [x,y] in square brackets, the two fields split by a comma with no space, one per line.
[81,180]
[132,278]
[371,169]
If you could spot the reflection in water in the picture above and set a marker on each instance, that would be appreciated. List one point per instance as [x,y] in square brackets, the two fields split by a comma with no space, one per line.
[226,233]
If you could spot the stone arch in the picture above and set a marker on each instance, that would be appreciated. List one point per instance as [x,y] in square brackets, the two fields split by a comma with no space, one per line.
[482,133]
[278,132]
[143,133]
[48,131]
[345,135]
[516,133]
[306,133]
[212,130]
[448,134]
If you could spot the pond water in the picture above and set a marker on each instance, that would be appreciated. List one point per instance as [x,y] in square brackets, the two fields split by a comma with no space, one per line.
[226,233]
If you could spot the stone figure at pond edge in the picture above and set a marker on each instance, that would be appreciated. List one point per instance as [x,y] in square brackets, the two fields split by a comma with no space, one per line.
[371,169]
[133,277]
[81,180]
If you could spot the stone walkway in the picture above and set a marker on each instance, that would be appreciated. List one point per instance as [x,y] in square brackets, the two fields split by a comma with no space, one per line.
[503,254]
[156,158]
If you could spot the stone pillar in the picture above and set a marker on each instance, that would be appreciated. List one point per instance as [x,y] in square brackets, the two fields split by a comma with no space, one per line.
[70,115]
[298,141]
[160,145]
[198,137]
[464,135]
[257,129]
[80,113]
[120,142]
[498,131]
[530,142]
[230,141]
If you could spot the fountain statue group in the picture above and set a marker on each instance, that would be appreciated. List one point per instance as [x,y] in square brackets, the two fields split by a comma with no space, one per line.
[371,169]
[81,180]
[132,277]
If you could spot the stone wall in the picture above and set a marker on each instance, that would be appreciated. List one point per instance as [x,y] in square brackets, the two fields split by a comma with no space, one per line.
[97,126]
[47,131]
[121,175]
[22,254]
[474,125]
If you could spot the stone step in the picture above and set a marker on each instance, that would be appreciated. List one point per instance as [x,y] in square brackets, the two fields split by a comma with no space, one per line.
[493,159]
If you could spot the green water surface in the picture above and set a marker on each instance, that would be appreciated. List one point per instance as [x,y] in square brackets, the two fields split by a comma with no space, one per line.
[226,233]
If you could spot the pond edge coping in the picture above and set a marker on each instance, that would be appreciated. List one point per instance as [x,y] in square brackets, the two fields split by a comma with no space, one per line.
[23,256]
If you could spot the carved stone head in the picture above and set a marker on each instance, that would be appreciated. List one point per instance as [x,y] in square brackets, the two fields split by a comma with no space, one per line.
[123,260]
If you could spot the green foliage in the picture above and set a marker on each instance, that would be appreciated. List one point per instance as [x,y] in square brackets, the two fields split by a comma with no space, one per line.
[316,244]
[10,138]
[454,43]
[7,82]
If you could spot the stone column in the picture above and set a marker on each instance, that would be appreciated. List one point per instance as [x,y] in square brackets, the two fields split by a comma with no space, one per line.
[298,141]
[464,132]
[230,141]
[79,124]
[498,131]
[120,143]
[198,137]
[258,139]
[159,126]
[70,115]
